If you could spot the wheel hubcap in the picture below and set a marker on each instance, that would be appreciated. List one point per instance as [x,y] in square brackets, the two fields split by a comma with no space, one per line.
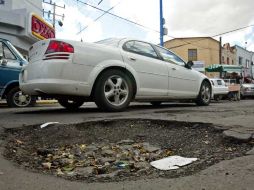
[21,100]
[116,90]
[205,93]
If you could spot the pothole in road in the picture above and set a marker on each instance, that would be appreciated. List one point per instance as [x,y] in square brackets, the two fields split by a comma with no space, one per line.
[117,150]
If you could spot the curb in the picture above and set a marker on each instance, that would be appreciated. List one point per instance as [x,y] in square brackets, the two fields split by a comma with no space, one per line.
[46,101]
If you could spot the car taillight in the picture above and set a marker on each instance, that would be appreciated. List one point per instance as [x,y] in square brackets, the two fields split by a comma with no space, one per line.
[58,46]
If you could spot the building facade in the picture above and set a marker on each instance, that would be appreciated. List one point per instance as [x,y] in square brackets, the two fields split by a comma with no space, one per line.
[21,23]
[244,58]
[201,50]
[228,55]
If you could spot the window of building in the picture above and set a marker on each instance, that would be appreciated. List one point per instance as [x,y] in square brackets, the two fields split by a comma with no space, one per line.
[228,60]
[247,63]
[232,62]
[240,60]
[223,61]
[192,55]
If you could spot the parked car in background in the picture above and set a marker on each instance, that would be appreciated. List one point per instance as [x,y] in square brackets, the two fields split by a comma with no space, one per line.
[219,88]
[11,62]
[247,90]
[112,73]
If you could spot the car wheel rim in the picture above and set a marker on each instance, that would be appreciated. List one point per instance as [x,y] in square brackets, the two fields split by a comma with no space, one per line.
[205,93]
[116,90]
[21,100]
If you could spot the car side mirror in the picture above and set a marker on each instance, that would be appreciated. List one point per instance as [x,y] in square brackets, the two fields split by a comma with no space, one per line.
[189,64]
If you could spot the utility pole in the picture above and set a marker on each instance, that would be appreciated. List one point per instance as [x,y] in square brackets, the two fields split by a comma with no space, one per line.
[220,52]
[161,24]
[163,30]
[54,12]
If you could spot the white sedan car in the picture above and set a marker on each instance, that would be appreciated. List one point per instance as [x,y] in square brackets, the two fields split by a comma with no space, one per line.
[112,73]
[219,88]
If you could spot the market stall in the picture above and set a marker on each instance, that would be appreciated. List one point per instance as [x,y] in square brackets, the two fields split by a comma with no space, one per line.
[231,75]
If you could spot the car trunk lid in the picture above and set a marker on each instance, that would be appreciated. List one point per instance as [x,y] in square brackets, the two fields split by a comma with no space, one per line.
[37,50]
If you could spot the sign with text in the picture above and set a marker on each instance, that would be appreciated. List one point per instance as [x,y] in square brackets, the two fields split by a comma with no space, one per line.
[40,28]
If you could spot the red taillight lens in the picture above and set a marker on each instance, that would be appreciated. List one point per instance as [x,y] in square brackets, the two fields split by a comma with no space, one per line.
[57,46]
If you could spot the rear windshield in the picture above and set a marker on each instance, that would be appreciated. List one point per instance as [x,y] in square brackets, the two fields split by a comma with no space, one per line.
[219,82]
[110,41]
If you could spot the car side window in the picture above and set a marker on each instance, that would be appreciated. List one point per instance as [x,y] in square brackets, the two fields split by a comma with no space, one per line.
[1,50]
[140,48]
[6,53]
[170,57]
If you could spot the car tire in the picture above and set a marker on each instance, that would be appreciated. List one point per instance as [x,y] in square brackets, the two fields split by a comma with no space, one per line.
[71,104]
[156,103]
[204,96]
[113,91]
[16,98]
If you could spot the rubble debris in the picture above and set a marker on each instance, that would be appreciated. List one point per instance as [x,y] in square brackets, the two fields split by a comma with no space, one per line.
[104,160]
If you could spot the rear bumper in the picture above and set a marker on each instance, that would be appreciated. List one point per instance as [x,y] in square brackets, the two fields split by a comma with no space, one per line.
[53,87]
[220,91]
[247,93]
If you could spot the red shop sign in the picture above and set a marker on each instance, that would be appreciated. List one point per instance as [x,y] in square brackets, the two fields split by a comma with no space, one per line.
[41,29]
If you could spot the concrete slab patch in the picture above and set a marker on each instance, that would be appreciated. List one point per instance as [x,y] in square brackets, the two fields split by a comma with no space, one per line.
[251,152]
[235,135]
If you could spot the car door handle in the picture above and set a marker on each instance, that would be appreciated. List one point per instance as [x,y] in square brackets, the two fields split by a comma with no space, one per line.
[173,68]
[132,58]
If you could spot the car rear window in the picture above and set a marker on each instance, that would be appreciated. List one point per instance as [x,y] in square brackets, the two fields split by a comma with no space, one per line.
[219,82]
[110,41]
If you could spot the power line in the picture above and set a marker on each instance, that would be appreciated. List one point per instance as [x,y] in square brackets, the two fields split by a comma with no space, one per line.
[122,18]
[100,2]
[130,21]
[187,43]
[99,16]
[233,30]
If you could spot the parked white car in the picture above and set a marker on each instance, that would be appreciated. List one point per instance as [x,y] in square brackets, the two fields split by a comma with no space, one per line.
[112,73]
[219,88]
[247,90]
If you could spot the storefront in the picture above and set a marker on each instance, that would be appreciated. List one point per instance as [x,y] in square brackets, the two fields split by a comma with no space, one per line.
[232,75]
[22,24]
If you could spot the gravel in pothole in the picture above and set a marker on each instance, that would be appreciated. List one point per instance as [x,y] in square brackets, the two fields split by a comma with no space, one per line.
[117,150]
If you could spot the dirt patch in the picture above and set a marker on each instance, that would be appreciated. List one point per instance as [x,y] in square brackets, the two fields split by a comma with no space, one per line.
[117,150]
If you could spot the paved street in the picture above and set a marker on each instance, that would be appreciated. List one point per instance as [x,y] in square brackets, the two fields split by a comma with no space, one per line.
[233,174]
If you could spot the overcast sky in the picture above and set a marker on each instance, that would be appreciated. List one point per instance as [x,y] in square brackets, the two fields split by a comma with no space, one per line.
[184,18]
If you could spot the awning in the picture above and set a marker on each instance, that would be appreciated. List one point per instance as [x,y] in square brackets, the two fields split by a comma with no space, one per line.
[224,68]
